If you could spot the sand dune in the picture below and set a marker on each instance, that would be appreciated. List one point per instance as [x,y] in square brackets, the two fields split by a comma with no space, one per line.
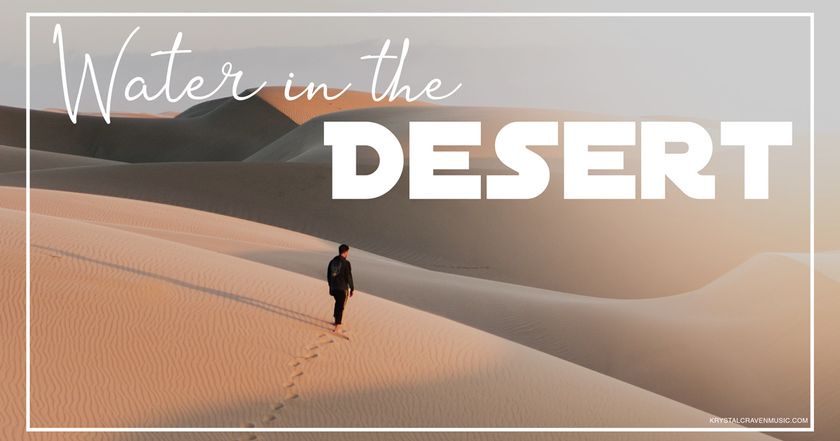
[167,287]
[478,238]
[152,331]
[303,109]
[729,325]
[233,130]
[120,114]
[14,159]
[306,143]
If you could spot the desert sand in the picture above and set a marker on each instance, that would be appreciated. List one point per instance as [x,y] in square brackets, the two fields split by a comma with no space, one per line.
[14,159]
[718,323]
[132,328]
[452,236]
[150,309]
[282,177]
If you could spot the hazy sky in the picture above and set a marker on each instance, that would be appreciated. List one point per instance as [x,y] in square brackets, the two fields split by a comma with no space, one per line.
[718,68]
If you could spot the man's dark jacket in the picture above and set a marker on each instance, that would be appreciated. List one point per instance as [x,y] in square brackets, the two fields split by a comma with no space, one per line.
[339,274]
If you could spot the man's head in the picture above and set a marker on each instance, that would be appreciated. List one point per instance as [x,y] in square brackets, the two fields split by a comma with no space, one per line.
[343,250]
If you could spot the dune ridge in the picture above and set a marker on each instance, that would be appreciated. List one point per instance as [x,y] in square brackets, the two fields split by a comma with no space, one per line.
[306,143]
[714,325]
[303,109]
[139,295]
[231,130]
[728,337]
[13,159]
[452,236]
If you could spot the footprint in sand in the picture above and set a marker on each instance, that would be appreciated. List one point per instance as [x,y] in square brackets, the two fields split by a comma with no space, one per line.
[248,437]
[296,363]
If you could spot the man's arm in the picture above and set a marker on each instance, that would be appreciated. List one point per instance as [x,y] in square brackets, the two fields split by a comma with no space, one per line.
[350,277]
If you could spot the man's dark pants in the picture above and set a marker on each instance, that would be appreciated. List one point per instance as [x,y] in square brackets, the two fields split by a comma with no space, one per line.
[340,301]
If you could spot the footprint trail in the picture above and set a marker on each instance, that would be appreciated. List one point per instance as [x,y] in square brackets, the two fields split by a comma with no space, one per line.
[290,391]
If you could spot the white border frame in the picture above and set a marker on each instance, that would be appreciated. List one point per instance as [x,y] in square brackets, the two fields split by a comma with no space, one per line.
[29,15]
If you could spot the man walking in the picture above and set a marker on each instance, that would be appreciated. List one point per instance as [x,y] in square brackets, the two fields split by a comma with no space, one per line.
[340,279]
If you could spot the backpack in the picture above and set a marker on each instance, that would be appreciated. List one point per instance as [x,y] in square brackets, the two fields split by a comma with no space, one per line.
[335,268]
